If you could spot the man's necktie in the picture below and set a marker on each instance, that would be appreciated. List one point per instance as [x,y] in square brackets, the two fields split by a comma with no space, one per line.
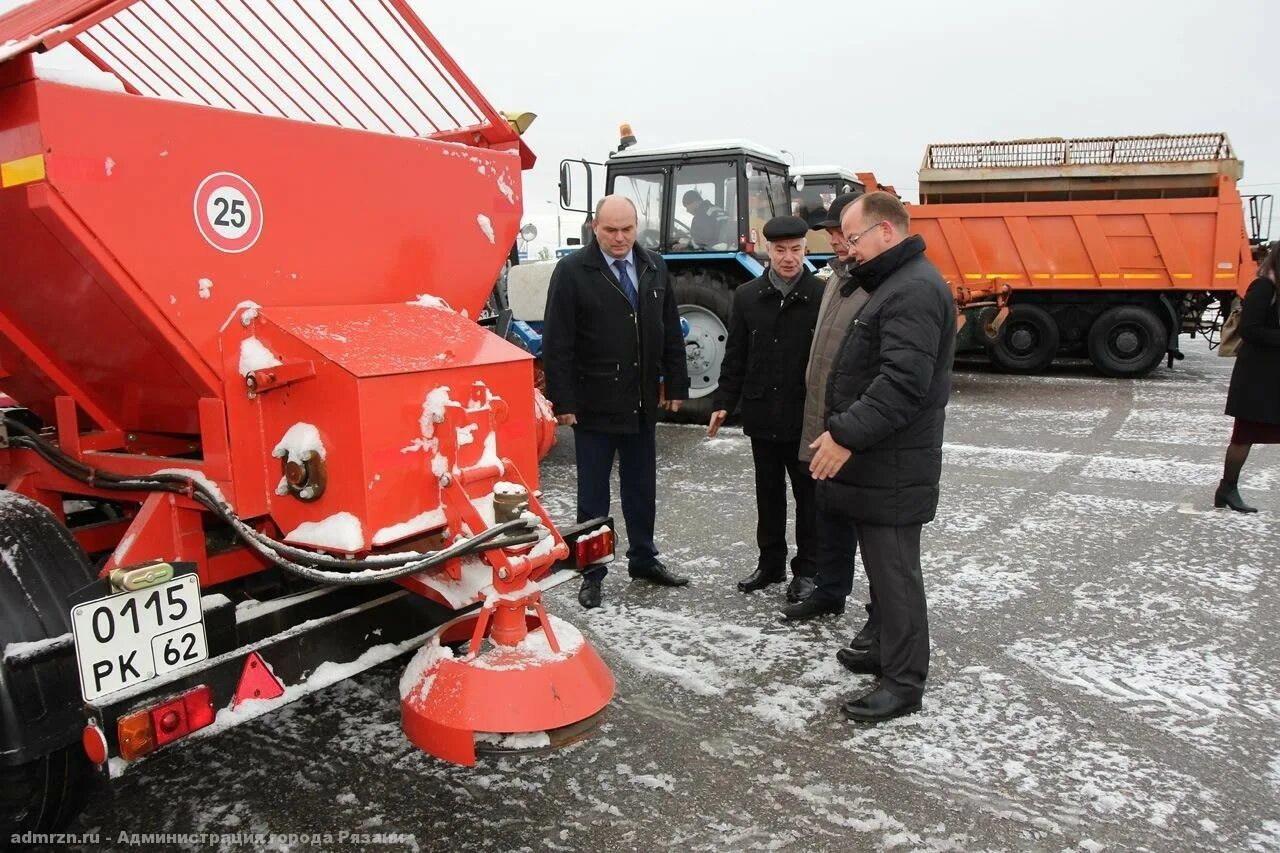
[625,280]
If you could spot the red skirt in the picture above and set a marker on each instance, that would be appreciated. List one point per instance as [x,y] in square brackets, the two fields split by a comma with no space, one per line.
[1255,432]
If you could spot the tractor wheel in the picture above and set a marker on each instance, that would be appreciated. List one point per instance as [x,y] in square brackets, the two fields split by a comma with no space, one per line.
[45,565]
[705,299]
[1027,341]
[1127,341]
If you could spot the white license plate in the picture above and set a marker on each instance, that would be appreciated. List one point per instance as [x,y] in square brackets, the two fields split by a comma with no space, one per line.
[131,637]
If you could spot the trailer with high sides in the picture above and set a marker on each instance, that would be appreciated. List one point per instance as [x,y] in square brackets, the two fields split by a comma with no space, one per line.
[253,442]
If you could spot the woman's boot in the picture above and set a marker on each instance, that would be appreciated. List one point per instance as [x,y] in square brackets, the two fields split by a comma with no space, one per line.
[1228,494]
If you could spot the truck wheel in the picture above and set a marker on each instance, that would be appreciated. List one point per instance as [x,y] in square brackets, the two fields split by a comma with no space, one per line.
[704,300]
[1128,340]
[45,794]
[44,566]
[1027,342]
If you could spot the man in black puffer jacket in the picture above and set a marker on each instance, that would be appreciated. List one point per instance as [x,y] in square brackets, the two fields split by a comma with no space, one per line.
[879,463]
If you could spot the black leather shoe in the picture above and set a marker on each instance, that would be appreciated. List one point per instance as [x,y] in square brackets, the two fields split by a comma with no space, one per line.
[813,606]
[859,662]
[864,639]
[1228,494]
[591,592]
[877,706]
[659,574]
[799,589]
[759,579]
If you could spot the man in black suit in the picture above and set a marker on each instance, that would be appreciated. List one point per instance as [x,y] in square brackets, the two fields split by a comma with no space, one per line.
[770,333]
[613,354]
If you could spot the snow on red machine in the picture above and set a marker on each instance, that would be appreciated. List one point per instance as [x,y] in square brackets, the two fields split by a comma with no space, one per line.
[240,259]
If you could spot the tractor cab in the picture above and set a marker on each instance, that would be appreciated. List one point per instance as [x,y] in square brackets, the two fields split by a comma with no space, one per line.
[702,206]
[815,188]
[702,198]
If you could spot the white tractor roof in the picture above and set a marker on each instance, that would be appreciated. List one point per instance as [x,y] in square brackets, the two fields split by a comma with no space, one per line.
[709,145]
[822,171]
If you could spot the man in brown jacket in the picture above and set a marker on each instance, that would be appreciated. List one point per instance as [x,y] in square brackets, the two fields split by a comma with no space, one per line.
[841,302]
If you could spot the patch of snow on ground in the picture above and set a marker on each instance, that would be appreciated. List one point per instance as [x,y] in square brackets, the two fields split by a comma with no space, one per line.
[1177,685]
[1004,458]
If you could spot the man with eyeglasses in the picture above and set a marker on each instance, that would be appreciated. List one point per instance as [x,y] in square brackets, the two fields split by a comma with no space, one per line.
[841,301]
[879,462]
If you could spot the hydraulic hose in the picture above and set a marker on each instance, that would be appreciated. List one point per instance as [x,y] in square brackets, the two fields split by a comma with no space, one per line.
[306,564]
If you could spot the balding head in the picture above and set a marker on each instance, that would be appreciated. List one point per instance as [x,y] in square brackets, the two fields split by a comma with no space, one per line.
[615,225]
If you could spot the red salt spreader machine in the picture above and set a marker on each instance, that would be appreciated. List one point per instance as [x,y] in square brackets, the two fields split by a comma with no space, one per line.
[259,445]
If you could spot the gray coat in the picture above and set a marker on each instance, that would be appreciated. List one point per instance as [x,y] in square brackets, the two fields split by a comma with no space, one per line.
[841,302]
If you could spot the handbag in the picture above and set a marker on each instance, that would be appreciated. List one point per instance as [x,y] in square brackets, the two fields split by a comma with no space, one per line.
[1229,342]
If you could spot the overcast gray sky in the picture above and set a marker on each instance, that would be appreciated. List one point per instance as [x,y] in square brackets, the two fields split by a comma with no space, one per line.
[867,84]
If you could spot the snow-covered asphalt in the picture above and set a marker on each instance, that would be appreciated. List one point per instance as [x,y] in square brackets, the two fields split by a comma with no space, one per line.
[1104,671]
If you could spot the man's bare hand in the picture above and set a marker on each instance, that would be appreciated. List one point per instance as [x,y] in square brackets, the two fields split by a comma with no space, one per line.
[566,420]
[829,457]
[717,418]
[672,405]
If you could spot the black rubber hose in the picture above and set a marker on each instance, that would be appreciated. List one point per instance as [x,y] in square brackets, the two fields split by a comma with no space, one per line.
[354,571]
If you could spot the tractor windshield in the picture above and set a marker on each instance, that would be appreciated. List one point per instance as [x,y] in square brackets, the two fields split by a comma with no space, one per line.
[811,203]
[704,205]
[645,190]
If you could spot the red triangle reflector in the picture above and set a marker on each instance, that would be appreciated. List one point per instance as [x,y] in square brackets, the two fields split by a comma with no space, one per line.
[257,681]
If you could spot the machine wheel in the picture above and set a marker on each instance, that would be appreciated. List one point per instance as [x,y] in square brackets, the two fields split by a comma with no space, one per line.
[46,565]
[45,794]
[1128,340]
[1027,342]
[705,300]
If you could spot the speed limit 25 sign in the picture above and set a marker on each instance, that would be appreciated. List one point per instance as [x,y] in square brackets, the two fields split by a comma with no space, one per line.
[228,212]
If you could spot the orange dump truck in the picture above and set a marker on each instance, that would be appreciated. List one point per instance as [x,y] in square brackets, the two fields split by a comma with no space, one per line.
[1105,248]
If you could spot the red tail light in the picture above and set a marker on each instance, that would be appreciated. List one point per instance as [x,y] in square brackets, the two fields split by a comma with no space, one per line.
[595,547]
[142,731]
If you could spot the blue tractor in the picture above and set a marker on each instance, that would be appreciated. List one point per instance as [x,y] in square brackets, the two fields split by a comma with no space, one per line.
[703,206]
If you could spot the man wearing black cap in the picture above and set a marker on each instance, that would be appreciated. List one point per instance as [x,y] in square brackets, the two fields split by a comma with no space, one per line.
[841,302]
[770,332]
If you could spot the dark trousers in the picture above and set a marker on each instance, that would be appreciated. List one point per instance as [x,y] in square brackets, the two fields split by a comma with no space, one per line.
[775,461]
[637,454]
[837,549]
[892,559]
